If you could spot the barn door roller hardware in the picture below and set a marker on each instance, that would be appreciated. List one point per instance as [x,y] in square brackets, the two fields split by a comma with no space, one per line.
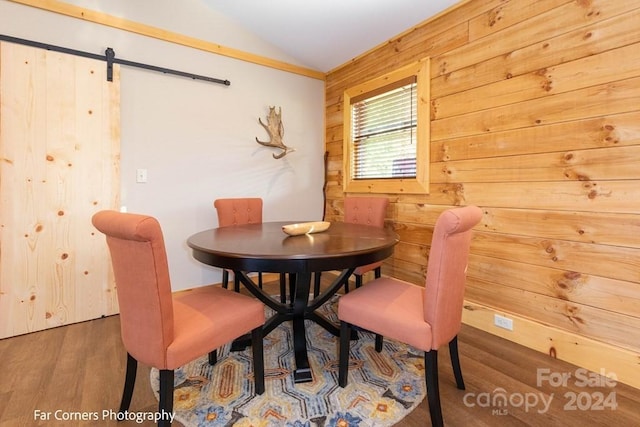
[110,58]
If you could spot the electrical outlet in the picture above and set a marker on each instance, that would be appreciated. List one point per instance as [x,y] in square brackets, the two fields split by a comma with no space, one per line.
[503,322]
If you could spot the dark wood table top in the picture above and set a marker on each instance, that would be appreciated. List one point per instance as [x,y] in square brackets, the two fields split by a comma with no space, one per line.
[265,247]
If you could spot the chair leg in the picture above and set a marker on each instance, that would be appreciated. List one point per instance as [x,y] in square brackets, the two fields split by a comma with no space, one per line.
[292,286]
[213,357]
[258,359]
[343,360]
[455,362]
[283,288]
[358,280]
[225,279]
[379,341]
[236,283]
[165,405]
[377,274]
[433,389]
[316,283]
[129,382]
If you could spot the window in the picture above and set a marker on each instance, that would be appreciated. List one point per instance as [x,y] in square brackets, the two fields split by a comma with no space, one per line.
[386,133]
[383,129]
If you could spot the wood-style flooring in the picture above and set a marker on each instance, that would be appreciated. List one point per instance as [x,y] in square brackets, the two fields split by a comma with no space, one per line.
[79,369]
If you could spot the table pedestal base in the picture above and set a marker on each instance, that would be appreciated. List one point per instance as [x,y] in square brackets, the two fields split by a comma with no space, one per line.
[302,375]
[299,310]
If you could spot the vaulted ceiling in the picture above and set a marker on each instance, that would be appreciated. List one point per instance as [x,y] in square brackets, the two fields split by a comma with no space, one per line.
[323,34]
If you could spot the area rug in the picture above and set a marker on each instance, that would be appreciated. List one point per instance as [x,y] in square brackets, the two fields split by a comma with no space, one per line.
[383,387]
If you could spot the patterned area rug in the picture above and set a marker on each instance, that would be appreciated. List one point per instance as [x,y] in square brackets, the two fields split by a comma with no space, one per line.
[383,387]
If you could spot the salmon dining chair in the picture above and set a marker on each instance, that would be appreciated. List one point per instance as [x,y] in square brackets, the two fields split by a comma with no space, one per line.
[166,330]
[238,211]
[367,211]
[423,317]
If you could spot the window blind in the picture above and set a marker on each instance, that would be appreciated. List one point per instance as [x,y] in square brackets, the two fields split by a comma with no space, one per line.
[384,133]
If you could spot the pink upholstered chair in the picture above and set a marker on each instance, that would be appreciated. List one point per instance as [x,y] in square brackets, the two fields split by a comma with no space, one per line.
[424,317]
[361,210]
[166,330]
[235,212]
[369,211]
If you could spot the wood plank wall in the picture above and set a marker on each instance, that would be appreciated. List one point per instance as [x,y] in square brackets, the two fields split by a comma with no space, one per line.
[535,118]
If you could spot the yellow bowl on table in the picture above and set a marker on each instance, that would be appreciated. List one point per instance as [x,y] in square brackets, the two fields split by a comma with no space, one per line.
[306,228]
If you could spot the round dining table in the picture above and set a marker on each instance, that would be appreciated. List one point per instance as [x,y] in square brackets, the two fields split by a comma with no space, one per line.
[266,248]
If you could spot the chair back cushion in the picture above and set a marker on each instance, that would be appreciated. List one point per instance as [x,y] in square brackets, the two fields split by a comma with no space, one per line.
[368,211]
[446,272]
[142,280]
[365,210]
[239,211]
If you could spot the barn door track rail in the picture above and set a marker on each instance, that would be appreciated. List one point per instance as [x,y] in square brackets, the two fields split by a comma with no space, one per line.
[110,57]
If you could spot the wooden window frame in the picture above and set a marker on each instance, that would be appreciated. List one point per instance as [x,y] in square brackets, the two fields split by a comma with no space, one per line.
[417,185]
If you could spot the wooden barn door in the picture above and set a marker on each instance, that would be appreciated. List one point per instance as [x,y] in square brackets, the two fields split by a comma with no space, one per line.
[59,163]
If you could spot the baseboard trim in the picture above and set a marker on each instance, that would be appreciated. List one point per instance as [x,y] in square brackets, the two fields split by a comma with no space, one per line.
[583,352]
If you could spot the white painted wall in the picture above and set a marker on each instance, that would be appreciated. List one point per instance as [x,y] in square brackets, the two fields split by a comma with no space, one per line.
[196,139]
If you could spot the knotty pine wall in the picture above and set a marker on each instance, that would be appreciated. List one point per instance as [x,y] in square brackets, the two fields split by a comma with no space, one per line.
[536,119]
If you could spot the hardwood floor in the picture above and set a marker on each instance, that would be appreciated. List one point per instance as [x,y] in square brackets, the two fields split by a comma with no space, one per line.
[79,369]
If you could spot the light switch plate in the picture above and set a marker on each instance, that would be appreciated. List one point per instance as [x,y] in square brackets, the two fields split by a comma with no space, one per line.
[141,175]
